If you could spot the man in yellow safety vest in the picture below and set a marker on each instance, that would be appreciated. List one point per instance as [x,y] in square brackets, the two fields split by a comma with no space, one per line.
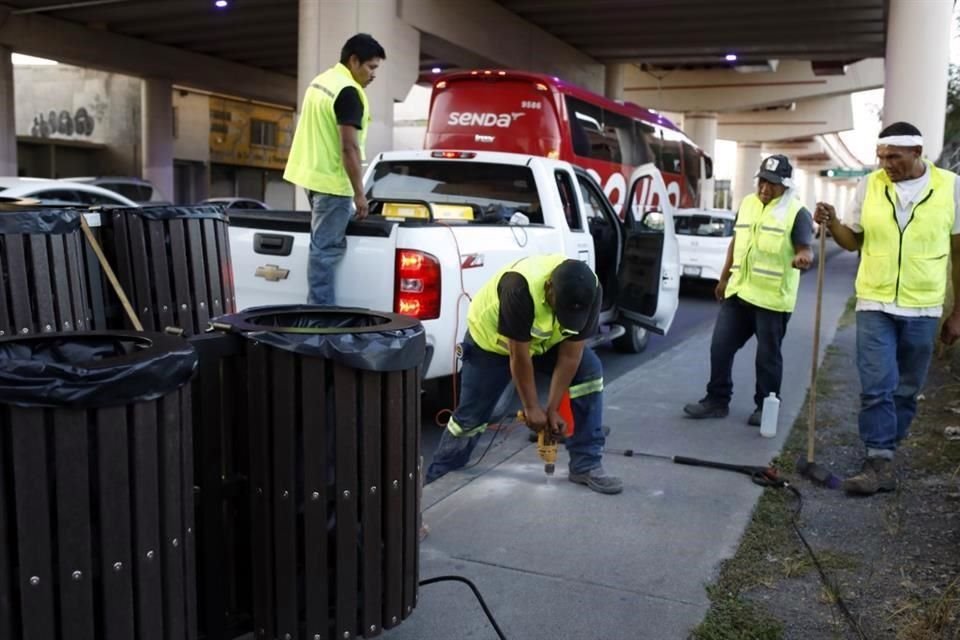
[905,221]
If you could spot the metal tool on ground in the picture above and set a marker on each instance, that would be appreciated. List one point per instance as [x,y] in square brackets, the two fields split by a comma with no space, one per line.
[763,476]
[806,466]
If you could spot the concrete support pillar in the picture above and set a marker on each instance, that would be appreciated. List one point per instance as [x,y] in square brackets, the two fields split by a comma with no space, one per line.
[749,156]
[8,121]
[702,129]
[323,29]
[915,67]
[613,78]
[156,124]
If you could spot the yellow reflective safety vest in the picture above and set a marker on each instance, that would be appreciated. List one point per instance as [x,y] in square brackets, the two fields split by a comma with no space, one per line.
[908,267]
[316,156]
[483,317]
[762,272]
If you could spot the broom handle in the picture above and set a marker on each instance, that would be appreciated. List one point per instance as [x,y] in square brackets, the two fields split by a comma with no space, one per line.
[109,273]
[812,425]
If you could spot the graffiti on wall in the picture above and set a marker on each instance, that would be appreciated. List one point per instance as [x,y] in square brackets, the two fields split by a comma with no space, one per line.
[64,123]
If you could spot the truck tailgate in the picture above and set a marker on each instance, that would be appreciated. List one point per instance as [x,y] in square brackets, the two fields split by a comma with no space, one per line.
[270,252]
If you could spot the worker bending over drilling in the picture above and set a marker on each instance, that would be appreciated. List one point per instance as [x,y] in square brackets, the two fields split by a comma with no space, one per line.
[533,315]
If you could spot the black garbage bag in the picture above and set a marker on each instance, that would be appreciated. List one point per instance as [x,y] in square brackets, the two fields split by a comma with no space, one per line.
[92,370]
[357,338]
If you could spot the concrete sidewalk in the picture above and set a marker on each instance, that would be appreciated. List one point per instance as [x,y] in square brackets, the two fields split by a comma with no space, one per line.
[555,560]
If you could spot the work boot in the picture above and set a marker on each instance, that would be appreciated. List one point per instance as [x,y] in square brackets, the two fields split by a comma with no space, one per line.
[755,417]
[706,408]
[875,475]
[598,480]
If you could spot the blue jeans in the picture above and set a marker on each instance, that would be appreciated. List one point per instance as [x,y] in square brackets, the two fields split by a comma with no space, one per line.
[328,243]
[484,377]
[737,322]
[893,355]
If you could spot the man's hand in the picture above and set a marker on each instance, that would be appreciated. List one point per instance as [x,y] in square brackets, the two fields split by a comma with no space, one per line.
[825,214]
[803,259]
[951,328]
[558,426]
[536,418]
[363,208]
[720,291]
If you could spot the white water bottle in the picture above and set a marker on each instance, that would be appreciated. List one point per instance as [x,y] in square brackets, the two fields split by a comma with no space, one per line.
[769,416]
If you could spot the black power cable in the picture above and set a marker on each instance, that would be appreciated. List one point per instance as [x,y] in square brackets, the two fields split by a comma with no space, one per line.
[476,592]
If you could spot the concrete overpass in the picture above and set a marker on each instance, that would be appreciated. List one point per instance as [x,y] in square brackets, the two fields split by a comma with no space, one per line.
[744,70]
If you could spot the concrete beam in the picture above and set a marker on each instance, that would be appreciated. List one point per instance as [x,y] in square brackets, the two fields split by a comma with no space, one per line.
[487,29]
[808,118]
[71,43]
[728,90]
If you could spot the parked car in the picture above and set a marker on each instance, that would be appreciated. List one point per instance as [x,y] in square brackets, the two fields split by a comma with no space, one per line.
[60,192]
[703,236]
[248,204]
[138,190]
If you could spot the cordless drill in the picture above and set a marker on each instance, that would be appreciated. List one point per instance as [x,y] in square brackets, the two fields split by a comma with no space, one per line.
[546,446]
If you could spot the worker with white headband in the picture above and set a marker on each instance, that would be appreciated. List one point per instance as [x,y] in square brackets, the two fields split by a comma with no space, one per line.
[905,221]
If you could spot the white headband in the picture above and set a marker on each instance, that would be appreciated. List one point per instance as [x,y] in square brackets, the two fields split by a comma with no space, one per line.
[902,141]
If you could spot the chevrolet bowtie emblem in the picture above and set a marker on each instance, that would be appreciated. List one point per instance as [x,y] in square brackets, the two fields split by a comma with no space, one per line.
[272,273]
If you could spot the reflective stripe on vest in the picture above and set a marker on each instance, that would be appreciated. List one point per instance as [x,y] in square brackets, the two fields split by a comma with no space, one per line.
[316,156]
[908,267]
[483,317]
[762,272]
[586,388]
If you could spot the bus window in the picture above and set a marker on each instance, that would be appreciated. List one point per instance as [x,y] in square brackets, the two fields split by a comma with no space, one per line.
[691,171]
[590,138]
[671,156]
[647,136]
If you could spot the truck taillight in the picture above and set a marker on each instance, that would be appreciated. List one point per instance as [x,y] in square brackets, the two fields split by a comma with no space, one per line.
[417,289]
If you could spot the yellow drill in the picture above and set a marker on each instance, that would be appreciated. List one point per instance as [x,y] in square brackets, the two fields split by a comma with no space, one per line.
[546,446]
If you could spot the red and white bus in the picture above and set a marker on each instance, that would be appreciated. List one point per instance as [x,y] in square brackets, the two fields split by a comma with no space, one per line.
[535,114]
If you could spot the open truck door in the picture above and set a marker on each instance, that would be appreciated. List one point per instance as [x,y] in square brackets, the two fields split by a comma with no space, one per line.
[648,279]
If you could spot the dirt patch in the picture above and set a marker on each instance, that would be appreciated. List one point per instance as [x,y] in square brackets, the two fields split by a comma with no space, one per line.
[894,558]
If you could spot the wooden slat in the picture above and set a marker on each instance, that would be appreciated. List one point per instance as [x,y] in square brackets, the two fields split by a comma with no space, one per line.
[411,454]
[345,388]
[114,525]
[201,296]
[142,273]
[214,278]
[415,414]
[6,321]
[42,289]
[261,532]
[226,268]
[314,396]
[282,426]
[19,286]
[100,302]
[34,537]
[9,606]
[65,285]
[74,513]
[164,305]
[124,266]
[184,399]
[371,504]
[148,545]
[181,277]
[393,508]
[76,284]
[171,515]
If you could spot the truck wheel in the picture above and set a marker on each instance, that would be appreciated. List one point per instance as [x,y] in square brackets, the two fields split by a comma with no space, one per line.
[633,341]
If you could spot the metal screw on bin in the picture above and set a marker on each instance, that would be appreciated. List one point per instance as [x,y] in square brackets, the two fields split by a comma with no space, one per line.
[76,575]
[203,305]
[150,554]
[66,325]
[316,636]
[259,491]
[410,477]
[184,307]
[47,327]
[373,490]
[118,566]
[190,530]
[287,636]
[393,620]
[346,634]
[396,484]
[373,628]
[175,542]
[25,330]
[285,495]
[346,494]
[34,580]
[315,495]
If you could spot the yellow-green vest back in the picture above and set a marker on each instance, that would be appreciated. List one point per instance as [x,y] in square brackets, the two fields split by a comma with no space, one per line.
[908,267]
[483,317]
[762,272]
[316,157]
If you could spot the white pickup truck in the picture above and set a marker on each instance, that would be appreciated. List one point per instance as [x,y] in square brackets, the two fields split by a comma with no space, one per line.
[443,222]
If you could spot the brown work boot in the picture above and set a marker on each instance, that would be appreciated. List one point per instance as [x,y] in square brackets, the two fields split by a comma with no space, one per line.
[875,475]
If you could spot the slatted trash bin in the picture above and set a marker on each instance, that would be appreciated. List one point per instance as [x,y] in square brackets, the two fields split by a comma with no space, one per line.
[173,263]
[47,284]
[96,521]
[333,407]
